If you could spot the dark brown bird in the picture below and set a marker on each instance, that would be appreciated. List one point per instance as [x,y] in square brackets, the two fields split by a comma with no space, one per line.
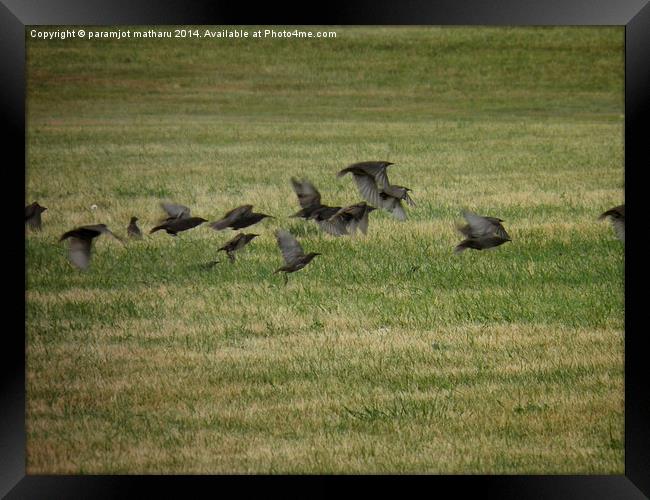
[81,240]
[479,225]
[322,216]
[312,208]
[175,226]
[33,215]
[239,218]
[617,216]
[481,243]
[293,254]
[353,217]
[481,232]
[133,230]
[308,197]
[237,243]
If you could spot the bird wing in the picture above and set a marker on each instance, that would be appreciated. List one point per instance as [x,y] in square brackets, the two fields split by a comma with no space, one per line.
[368,189]
[291,249]
[478,225]
[307,194]
[335,227]
[175,211]
[375,169]
[231,216]
[79,252]
[381,176]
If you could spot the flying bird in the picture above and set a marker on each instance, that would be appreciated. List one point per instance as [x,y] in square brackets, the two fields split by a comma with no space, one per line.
[237,243]
[373,184]
[312,208]
[481,243]
[370,177]
[617,217]
[293,254]
[33,215]
[175,226]
[353,217]
[133,230]
[308,197]
[322,217]
[239,218]
[481,232]
[81,240]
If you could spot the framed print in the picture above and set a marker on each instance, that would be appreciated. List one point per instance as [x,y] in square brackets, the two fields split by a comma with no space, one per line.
[386,242]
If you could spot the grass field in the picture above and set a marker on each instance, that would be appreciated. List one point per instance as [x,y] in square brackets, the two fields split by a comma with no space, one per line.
[388,353]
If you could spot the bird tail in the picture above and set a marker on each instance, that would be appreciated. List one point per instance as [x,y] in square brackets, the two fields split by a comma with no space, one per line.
[157,228]
[342,172]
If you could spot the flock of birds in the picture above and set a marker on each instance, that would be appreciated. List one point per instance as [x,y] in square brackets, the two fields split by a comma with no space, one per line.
[371,179]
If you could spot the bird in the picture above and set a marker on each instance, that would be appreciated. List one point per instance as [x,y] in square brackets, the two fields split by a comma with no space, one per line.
[390,200]
[312,208]
[481,243]
[81,239]
[237,243]
[308,197]
[479,225]
[175,211]
[322,216]
[175,226]
[373,184]
[353,217]
[292,252]
[239,218]
[481,232]
[33,215]
[617,216]
[367,175]
[133,230]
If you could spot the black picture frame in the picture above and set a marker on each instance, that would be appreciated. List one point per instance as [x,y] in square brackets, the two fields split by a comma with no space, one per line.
[634,15]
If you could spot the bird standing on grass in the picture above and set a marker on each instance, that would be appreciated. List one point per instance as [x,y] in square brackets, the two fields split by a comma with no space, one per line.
[293,254]
[133,230]
[239,218]
[237,243]
[175,226]
[33,215]
[617,216]
[81,240]
[481,232]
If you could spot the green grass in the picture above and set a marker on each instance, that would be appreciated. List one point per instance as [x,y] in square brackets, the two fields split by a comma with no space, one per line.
[388,353]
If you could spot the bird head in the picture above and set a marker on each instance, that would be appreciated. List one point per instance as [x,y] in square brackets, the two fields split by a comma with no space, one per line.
[134,219]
